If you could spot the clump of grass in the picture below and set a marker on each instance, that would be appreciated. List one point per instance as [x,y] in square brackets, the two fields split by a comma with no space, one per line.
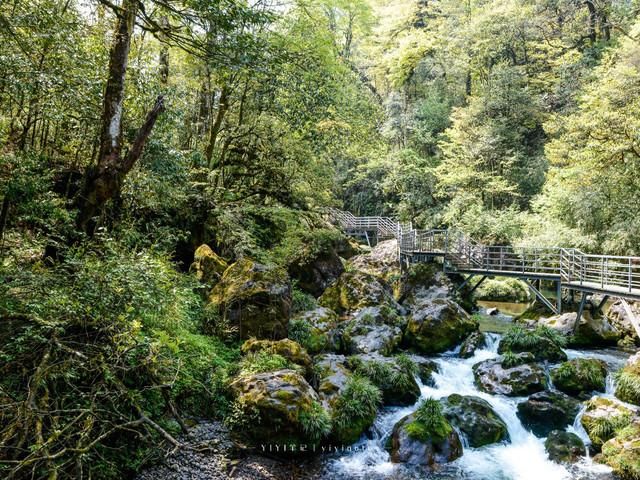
[510,360]
[310,338]
[544,342]
[264,361]
[628,385]
[355,408]
[605,428]
[315,422]
[580,375]
[385,375]
[429,423]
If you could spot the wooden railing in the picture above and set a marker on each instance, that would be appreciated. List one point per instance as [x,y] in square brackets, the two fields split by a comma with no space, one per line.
[572,267]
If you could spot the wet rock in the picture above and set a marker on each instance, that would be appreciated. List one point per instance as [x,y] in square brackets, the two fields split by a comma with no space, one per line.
[628,381]
[355,290]
[564,447]
[286,348]
[545,411]
[427,450]
[255,298]
[436,326]
[207,265]
[603,417]
[523,379]
[373,329]
[273,406]
[426,368]
[473,342]
[580,376]
[475,419]
[492,311]
[622,453]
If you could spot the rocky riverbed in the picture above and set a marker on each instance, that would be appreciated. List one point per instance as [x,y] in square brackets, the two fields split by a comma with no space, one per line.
[387,376]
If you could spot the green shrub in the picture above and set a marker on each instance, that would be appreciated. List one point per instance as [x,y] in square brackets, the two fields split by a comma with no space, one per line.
[544,342]
[313,340]
[429,422]
[502,289]
[355,409]
[580,375]
[316,422]
[301,301]
[628,385]
[264,361]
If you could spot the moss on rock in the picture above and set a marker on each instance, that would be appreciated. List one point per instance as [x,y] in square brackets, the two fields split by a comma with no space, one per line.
[622,453]
[580,376]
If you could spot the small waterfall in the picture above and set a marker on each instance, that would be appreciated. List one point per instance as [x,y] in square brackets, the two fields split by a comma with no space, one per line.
[523,458]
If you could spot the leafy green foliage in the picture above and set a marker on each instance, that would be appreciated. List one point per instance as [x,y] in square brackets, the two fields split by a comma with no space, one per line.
[429,423]
[316,422]
[628,385]
[264,361]
[355,408]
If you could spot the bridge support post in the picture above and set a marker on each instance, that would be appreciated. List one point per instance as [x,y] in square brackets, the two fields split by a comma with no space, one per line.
[601,304]
[583,301]
[542,298]
[559,297]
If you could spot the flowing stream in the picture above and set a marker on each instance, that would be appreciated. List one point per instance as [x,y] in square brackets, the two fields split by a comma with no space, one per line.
[522,458]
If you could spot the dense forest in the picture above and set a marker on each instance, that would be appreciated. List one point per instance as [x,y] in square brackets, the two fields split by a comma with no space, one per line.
[152,152]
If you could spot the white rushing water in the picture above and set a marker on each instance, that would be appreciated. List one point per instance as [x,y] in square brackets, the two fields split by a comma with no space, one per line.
[522,458]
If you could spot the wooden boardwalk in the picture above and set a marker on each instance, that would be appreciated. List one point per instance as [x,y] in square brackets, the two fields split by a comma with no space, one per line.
[571,269]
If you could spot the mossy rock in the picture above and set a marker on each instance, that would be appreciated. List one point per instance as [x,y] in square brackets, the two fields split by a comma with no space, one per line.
[604,417]
[372,329]
[315,330]
[564,447]
[542,348]
[475,419]
[413,444]
[207,265]
[355,290]
[503,290]
[437,326]
[331,376]
[545,411]
[276,405]
[628,381]
[522,379]
[254,298]
[394,376]
[286,348]
[580,376]
[622,453]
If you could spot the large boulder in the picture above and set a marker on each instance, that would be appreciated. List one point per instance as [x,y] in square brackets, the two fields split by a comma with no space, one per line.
[424,282]
[425,368]
[514,380]
[475,419]
[286,348]
[545,411]
[317,268]
[473,342]
[603,417]
[332,376]
[580,376]
[207,265]
[354,290]
[394,376]
[619,319]
[254,298]
[315,330]
[564,447]
[436,326]
[276,407]
[591,332]
[622,453]
[411,445]
[372,329]
[628,381]
[381,261]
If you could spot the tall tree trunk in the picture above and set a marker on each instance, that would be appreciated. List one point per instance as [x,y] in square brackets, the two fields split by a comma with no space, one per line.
[217,124]
[104,181]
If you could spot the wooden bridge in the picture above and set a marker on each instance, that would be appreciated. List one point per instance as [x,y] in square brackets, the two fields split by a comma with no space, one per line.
[570,269]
